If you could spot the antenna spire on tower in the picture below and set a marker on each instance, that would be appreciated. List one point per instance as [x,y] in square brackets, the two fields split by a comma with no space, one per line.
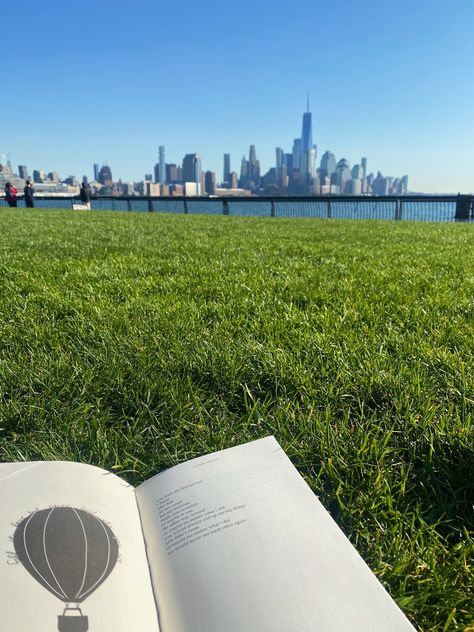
[307,103]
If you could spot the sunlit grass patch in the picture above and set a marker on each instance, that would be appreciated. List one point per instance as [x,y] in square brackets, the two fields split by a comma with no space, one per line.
[135,341]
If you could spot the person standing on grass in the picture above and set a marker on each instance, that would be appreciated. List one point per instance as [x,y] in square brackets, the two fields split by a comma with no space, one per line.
[10,194]
[29,192]
[85,193]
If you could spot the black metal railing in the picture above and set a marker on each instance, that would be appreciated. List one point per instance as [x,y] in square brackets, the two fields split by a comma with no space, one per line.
[406,208]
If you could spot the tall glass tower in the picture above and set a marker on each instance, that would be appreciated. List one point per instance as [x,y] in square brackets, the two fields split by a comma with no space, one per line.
[279,157]
[307,131]
[296,153]
[226,167]
[161,163]
[192,168]
[252,161]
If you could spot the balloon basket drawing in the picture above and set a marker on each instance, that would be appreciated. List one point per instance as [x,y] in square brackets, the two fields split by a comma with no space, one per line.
[69,552]
[71,621]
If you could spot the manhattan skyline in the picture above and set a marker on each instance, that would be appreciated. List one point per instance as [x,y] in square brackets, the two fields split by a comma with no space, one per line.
[295,172]
[94,82]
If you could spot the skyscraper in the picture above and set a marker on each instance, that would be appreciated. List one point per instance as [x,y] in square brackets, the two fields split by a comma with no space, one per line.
[256,172]
[354,186]
[172,173]
[210,183]
[161,162]
[244,172]
[54,176]
[363,163]
[96,172]
[296,153]
[105,176]
[252,161]
[226,167]
[357,172]
[252,154]
[282,177]
[312,162]
[23,172]
[192,170]
[279,157]
[380,185]
[304,163]
[307,166]
[328,165]
[343,175]
[307,131]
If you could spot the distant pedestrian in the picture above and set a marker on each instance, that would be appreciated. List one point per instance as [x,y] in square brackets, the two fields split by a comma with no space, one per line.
[10,194]
[29,192]
[85,193]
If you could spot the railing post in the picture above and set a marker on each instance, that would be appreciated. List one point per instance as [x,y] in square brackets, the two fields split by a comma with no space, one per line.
[329,209]
[225,207]
[185,204]
[272,209]
[398,209]
[463,208]
[150,205]
[129,204]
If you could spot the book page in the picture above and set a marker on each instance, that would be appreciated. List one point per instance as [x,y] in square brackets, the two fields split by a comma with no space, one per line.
[72,555]
[238,542]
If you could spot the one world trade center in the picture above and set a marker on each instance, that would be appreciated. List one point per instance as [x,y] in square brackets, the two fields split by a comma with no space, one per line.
[307,131]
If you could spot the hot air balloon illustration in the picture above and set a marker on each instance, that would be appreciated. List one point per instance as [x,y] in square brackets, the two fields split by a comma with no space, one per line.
[70,552]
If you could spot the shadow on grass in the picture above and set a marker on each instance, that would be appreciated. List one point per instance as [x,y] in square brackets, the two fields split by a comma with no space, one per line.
[444,487]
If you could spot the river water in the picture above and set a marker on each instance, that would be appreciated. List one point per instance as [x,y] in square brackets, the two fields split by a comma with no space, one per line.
[359,208]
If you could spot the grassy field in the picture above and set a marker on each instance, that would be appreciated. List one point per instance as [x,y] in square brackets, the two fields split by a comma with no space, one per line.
[136,341]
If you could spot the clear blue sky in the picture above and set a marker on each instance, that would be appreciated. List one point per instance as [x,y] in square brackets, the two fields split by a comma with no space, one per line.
[110,80]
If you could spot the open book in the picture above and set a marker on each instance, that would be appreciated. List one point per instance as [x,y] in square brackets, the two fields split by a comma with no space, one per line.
[230,542]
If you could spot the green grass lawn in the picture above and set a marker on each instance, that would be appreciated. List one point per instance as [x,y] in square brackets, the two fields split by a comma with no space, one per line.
[136,341]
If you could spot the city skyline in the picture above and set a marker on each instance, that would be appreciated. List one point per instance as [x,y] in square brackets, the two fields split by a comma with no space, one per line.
[294,173]
[302,150]
[388,82]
